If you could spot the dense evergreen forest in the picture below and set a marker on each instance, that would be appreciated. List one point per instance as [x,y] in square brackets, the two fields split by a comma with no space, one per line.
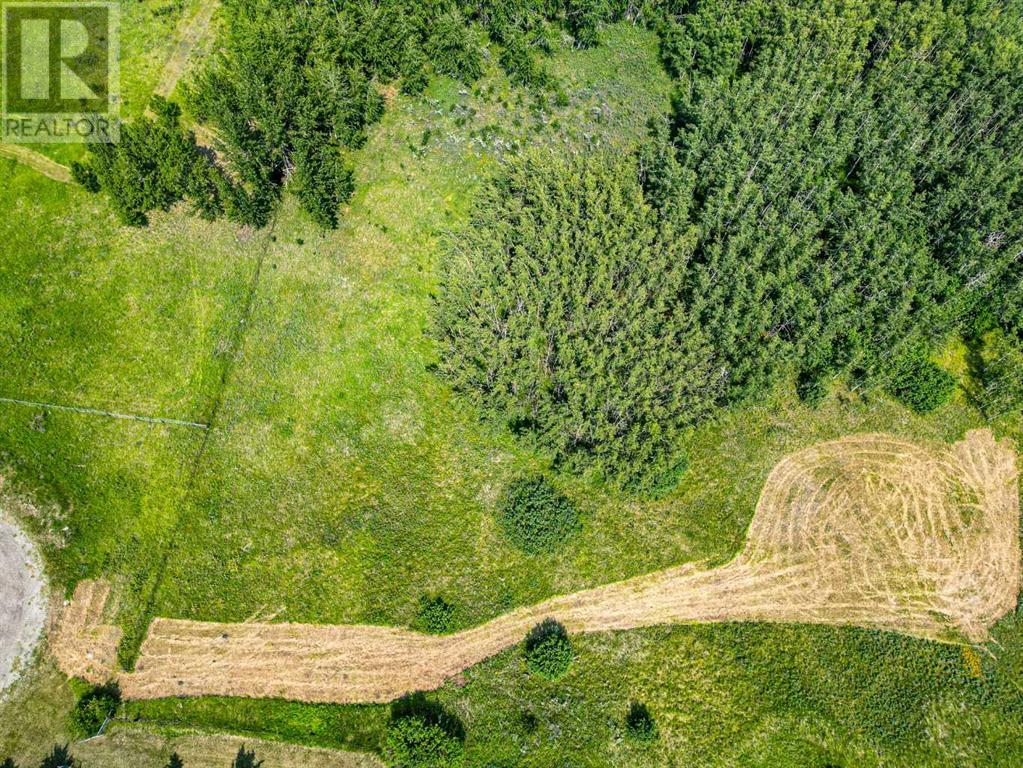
[836,191]
[837,188]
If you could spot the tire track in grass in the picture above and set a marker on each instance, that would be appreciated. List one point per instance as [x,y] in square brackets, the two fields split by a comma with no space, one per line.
[51,169]
[192,32]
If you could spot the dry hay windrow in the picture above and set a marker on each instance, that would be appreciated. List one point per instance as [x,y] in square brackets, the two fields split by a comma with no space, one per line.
[867,530]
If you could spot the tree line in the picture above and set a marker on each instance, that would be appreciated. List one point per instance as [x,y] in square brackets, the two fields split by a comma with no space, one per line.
[293,87]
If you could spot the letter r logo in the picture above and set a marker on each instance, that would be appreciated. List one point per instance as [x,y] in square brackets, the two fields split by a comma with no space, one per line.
[60,67]
[57,57]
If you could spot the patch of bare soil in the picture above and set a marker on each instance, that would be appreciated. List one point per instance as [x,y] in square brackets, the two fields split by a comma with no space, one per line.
[22,599]
[867,530]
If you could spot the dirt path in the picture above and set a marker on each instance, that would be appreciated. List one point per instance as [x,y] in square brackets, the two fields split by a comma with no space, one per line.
[867,530]
[22,599]
[191,32]
[49,168]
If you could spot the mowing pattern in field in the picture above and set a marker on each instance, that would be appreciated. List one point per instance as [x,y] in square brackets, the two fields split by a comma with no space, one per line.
[51,169]
[867,530]
[86,646]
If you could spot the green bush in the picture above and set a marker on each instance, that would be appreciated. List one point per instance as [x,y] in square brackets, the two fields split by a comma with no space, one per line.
[812,387]
[548,650]
[535,516]
[59,757]
[421,734]
[522,64]
[93,708]
[639,723]
[155,164]
[453,49]
[246,758]
[920,384]
[435,615]
[1001,376]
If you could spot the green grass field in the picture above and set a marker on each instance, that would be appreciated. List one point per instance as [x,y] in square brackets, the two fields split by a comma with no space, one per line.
[343,479]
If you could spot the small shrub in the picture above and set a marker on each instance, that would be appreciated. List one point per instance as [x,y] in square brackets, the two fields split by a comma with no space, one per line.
[421,734]
[8,763]
[639,723]
[548,650]
[59,757]
[175,761]
[920,384]
[535,516]
[1001,377]
[522,65]
[84,175]
[246,758]
[812,387]
[93,708]
[435,615]
[661,484]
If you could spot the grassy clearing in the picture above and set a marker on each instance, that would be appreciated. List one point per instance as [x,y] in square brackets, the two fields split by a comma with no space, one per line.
[127,745]
[105,317]
[349,479]
[32,714]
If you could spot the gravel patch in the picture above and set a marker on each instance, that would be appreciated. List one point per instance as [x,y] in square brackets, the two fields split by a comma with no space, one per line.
[22,600]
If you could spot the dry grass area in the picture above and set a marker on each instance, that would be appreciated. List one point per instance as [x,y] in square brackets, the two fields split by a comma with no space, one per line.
[39,162]
[81,643]
[867,530]
[136,747]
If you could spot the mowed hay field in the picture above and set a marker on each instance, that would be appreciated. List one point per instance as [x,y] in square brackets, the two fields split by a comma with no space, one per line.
[343,480]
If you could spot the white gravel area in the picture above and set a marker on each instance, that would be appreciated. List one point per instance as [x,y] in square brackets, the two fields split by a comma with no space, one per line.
[22,600]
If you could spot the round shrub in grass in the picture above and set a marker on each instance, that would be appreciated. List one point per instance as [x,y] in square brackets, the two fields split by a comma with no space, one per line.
[422,734]
[435,616]
[548,650]
[639,723]
[535,516]
[93,708]
[920,384]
